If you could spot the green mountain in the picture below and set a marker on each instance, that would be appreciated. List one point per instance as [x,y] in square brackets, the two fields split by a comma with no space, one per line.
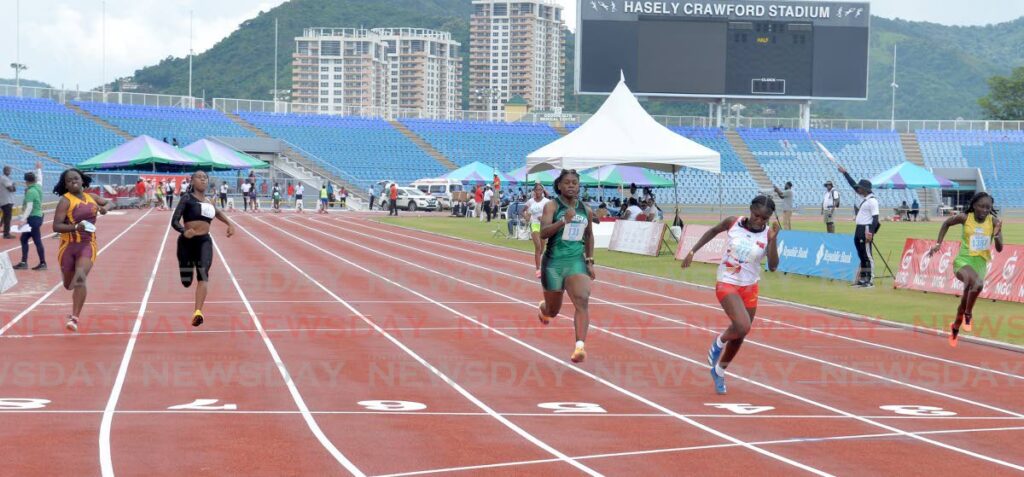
[942,70]
[25,83]
[242,65]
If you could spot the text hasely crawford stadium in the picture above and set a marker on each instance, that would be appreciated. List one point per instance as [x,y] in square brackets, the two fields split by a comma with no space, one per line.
[727,9]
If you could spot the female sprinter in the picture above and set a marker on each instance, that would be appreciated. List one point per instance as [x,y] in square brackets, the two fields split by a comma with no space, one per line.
[750,239]
[568,263]
[195,248]
[534,211]
[981,228]
[75,221]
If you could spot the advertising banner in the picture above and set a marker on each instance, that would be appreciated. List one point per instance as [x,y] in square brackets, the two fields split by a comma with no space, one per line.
[1004,279]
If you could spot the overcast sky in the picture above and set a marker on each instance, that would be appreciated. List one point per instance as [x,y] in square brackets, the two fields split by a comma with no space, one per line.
[61,40]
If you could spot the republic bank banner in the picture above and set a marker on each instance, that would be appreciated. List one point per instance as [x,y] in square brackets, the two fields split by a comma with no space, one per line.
[1004,279]
[802,253]
[817,254]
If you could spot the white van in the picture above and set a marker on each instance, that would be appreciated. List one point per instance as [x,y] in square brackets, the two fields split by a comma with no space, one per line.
[440,188]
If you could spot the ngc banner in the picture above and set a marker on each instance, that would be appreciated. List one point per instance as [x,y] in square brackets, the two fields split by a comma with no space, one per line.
[1004,279]
[711,253]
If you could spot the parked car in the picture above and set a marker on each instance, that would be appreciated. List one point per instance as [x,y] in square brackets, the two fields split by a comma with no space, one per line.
[412,199]
[440,188]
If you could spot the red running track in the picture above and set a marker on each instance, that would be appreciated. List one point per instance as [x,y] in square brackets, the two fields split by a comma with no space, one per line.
[337,345]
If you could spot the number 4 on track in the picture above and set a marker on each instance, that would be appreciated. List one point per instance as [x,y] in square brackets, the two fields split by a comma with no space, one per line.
[929,411]
[204,405]
[740,408]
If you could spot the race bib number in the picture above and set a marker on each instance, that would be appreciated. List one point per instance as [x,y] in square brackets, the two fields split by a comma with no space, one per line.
[208,210]
[573,232]
[979,241]
[744,250]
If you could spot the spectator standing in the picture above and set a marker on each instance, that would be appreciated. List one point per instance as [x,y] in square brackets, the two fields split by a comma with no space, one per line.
[787,205]
[169,193]
[915,208]
[372,193]
[32,214]
[330,195]
[246,187]
[393,200]
[7,190]
[291,191]
[488,203]
[299,189]
[828,207]
[223,194]
[867,226]
[478,198]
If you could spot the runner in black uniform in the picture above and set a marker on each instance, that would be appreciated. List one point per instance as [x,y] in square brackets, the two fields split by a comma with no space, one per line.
[195,248]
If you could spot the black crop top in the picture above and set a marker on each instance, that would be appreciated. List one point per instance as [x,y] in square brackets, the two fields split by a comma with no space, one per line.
[191,209]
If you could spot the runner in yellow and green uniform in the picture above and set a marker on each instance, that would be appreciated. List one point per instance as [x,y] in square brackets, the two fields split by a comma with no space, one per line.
[981,229]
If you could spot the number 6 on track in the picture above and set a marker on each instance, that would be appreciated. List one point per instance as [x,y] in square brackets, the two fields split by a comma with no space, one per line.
[573,407]
[930,411]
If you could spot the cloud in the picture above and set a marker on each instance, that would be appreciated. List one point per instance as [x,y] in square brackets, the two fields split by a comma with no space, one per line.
[62,41]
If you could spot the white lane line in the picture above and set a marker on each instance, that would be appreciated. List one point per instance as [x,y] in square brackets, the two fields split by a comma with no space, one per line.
[437,372]
[106,461]
[684,358]
[355,329]
[741,417]
[674,450]
[688,302]
[292,389]
[43,298]
[755,342]
[562,362]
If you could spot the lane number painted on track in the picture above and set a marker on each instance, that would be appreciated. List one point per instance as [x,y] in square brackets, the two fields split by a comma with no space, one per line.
[906,410]
[740,408]
[393,406]
[573,407]
[204,405]
[22,404]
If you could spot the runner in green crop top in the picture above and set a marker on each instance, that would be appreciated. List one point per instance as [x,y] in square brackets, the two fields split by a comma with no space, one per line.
[568,263]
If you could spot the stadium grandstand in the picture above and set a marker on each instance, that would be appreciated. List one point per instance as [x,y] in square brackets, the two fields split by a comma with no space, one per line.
[363,151]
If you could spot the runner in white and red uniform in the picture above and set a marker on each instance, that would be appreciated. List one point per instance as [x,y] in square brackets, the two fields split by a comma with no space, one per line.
[750,240]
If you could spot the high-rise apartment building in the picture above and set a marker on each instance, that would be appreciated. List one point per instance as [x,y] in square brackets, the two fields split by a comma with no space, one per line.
[517,48]
[376,72]
[424,70]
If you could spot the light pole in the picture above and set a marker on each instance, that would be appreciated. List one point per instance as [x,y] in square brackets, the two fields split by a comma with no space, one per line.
[18,68]
[894,88]
[490,94]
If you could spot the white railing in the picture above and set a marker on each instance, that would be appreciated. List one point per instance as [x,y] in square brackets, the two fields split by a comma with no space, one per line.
[115,97]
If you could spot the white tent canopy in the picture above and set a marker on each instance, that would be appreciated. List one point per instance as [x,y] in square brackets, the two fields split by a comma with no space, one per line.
[622,132]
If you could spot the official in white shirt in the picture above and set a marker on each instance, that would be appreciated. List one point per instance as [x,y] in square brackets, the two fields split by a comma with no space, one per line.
[867,226]
[829,205]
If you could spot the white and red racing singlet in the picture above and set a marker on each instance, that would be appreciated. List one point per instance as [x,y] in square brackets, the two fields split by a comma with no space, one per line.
[741,264]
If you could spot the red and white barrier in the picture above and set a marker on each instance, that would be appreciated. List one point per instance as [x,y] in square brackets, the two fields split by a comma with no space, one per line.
[1004,278]
[711,253]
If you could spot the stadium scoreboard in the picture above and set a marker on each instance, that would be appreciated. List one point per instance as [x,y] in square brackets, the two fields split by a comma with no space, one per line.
[724,49]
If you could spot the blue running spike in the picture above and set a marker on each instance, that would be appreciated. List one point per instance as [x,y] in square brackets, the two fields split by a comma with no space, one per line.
[719,381]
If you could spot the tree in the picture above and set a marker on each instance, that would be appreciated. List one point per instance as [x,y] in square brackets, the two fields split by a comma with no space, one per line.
[1005,100]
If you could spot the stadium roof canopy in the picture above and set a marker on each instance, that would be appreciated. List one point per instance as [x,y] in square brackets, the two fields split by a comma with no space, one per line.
[621,132]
